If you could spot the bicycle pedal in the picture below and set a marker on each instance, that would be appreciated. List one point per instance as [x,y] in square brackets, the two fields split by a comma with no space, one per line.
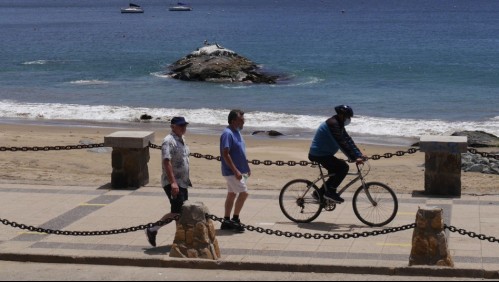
[333,202]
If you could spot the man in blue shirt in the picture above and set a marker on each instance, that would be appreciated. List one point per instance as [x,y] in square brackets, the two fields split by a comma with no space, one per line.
[330,137]
[235,169]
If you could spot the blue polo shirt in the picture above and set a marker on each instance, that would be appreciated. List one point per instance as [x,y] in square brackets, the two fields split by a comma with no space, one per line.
[233,140]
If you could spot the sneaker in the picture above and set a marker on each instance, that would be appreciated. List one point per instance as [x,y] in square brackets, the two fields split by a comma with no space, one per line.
[151,237]
[333,196]
[227,225]
[237,227]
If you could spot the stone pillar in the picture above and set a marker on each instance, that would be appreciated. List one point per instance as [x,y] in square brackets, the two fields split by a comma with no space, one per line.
[429,244]
[195,236]
[129,158]
[443,164]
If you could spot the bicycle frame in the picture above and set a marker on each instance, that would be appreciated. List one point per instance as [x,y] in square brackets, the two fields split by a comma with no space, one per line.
[358,177]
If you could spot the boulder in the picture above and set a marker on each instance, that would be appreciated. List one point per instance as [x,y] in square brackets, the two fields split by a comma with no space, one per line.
[479,139]
[215,63]
[272,133]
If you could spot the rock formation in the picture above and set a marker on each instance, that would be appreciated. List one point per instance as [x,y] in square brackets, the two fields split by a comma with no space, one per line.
[429,244]
[215,63]
[195,236]
[479,139]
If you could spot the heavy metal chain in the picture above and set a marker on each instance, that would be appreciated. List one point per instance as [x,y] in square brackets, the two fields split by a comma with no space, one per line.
[50,148]
[484,154]
[279,233]
[86,233]
[294,163]
[317,236]
[471,234]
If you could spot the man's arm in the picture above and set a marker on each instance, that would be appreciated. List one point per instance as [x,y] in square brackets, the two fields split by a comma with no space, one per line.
[171,177]
[230,163]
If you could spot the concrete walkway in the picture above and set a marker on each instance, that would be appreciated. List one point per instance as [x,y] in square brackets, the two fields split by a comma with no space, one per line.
[78,208]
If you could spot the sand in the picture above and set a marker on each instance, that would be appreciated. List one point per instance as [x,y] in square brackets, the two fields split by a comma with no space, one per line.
[89,168]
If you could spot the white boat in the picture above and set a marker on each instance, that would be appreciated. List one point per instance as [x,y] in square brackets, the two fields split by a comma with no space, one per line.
[132,9]
[180,7]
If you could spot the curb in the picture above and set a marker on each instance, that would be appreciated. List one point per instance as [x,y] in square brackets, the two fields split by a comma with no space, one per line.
[432,271]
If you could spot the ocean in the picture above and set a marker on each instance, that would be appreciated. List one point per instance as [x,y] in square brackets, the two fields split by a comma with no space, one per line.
[408,68]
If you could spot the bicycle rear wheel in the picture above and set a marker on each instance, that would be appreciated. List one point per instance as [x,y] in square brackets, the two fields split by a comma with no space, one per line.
[298,203]
[376,205]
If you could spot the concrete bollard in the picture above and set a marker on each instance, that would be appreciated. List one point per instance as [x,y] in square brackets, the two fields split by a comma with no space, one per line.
[429,244]
[129,158]
[196,235]
[443,164]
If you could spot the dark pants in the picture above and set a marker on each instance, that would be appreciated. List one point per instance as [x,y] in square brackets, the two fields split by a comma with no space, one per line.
[177,202]
[333,165]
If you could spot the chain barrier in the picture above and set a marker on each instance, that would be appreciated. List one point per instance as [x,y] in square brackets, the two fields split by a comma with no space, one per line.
[295,163]
[86,233]
[483,154]
[50,148]
[471,234]
[279,233]
[218,158]
[317,236]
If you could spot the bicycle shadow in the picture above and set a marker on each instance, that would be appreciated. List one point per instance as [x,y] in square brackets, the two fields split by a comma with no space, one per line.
[325,226]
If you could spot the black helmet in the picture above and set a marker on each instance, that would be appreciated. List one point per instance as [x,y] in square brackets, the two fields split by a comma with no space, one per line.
[345,110]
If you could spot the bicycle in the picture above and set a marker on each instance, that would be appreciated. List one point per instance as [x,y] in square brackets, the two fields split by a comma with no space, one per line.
[374,203]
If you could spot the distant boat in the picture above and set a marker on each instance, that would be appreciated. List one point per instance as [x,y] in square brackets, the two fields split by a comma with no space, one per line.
[180,7]
[132,9]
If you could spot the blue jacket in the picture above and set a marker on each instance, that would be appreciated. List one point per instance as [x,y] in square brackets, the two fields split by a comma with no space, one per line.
[331,137]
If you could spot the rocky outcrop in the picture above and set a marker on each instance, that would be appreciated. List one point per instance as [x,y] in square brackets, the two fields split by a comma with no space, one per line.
[429,243]
[215,63]
[272,133]
[479,139]
[477,163]
[195,236]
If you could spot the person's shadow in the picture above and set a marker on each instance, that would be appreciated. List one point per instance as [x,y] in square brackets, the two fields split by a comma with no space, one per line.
[161,250]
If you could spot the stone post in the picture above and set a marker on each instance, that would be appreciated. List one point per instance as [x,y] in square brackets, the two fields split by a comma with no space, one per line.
[195,236]
[429,244]
[443,164]
[129,158]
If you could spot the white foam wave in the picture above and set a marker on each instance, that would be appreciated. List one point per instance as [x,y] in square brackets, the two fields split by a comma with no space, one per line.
[89,82]
[37,62]
[361,125]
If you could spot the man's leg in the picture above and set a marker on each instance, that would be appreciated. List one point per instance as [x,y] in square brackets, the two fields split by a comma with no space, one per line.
[339,168]
[241,199]
[229,203]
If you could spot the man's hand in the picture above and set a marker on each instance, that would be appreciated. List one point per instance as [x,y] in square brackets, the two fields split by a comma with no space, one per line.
[361,160]
[175,190]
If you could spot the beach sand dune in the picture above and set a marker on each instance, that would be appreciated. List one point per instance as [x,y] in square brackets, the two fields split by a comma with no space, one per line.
[86,168]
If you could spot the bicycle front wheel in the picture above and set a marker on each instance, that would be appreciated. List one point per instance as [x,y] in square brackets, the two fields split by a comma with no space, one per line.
[375,205]
[298,203]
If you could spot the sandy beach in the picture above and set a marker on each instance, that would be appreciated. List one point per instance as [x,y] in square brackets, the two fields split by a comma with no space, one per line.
[89,168]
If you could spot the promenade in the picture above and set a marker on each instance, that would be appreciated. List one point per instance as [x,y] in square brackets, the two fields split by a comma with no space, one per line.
[81,208]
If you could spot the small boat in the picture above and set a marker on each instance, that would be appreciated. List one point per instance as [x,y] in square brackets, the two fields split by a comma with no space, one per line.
[180,7]
[132,9]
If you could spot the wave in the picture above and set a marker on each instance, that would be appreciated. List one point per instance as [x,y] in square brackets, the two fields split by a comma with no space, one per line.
[89,82]
[361,125]
[37,62]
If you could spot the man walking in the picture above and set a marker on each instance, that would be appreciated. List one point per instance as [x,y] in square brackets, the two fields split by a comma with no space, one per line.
[235,170]
[175,177]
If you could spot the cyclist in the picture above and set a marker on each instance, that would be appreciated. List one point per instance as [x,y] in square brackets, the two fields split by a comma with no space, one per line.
[330,137]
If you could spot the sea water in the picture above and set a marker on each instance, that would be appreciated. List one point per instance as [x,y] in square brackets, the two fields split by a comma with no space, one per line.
[408,68]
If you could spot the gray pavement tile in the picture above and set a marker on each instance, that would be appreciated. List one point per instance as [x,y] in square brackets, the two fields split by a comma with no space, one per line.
[477,212]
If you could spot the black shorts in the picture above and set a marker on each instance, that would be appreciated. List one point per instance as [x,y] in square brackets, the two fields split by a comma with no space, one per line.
[178,202]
